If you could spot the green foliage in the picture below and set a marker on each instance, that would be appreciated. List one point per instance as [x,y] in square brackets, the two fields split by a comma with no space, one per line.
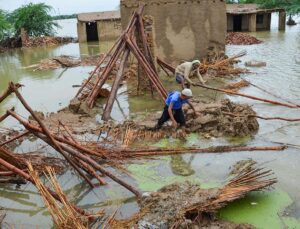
[34,18]
[4,25]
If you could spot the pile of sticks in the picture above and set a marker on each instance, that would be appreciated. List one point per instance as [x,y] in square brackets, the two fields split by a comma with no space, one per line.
[126,44]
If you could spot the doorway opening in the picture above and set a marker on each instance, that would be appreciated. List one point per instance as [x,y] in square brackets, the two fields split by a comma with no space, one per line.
[92,31]
[237,23]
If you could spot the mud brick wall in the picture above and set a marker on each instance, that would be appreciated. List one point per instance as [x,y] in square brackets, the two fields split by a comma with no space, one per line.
[184,29]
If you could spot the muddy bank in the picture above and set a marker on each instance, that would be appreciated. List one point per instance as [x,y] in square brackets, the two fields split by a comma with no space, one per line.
[47,41]
[16,42]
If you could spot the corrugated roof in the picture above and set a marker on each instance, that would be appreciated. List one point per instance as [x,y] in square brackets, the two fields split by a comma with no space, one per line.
[99,16]
[248,9]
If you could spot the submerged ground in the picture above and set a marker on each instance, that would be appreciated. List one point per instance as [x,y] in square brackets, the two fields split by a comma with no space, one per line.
[49,91]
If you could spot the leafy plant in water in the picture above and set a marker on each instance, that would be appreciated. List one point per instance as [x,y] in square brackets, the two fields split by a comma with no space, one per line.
[34,18]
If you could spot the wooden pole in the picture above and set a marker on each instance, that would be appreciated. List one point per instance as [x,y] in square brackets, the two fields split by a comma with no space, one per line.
[48,134]
[248,96]
[15,138]
[95,92]
[94,164]
[148,69]
[115,87]
[8,91]
[260,117]
[218,149]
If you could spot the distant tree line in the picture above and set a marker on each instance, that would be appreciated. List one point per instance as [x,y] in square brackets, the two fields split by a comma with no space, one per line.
[292,7]
[61,17]
[35,19]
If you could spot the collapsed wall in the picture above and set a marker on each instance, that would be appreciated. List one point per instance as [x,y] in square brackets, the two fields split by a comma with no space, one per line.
[184,30]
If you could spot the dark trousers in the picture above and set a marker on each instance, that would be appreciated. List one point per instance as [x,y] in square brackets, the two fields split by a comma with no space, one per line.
[178,116]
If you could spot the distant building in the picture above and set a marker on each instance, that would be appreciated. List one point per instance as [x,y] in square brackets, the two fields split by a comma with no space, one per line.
[98,26]
[249,17]
[183,29]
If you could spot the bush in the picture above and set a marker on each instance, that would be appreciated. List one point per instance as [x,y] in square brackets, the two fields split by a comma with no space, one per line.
[34,18]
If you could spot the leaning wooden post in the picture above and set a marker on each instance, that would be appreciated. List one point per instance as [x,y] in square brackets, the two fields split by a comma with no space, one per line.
[115,87]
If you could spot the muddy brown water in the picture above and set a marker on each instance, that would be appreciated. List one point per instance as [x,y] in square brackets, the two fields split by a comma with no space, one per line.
[49,91]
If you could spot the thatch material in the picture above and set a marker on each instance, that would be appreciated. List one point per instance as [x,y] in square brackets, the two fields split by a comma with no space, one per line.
[63,214]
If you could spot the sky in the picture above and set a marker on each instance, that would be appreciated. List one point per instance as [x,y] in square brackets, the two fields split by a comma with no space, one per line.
[65,6]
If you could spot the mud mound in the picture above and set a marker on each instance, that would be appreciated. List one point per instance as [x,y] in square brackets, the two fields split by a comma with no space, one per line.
[212,119]
[164,207]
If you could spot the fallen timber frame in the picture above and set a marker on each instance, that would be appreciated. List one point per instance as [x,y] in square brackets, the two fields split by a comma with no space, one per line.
[123,47]
[70,149]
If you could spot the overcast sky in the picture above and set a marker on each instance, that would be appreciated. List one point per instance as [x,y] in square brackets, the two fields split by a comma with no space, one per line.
[65,6]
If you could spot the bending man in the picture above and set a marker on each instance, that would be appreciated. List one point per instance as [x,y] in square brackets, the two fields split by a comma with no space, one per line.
[185,70]
[173,109]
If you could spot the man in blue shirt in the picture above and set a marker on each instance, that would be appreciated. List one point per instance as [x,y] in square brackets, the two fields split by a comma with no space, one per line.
[173,109]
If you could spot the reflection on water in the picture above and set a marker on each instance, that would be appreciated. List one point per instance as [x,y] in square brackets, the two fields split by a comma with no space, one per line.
[49,91]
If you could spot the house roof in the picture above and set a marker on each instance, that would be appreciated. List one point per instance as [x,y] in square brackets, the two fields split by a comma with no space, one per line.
[248,9]
[99,16]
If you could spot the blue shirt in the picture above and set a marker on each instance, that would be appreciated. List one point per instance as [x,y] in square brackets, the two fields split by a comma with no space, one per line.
[174,97]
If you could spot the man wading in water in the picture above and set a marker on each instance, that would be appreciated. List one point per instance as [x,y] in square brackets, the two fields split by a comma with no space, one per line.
[185,70]
[173,109]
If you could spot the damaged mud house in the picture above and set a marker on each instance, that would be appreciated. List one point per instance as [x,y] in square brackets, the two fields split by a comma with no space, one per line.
[201,23]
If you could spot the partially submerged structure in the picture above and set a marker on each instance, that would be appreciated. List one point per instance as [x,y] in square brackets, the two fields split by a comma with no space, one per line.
[98,26]
[183,30]
[249,17]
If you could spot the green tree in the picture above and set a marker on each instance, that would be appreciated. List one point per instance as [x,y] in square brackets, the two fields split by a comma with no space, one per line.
[4,25]
[34,18]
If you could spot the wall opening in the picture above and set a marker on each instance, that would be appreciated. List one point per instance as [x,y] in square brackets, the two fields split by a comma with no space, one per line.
[259,19]
[92,31]
[237,23]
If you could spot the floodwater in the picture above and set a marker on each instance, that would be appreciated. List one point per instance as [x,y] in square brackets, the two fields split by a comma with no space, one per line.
[49,91]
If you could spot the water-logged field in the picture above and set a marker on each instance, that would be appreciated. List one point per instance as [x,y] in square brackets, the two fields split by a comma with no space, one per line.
[49,91]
